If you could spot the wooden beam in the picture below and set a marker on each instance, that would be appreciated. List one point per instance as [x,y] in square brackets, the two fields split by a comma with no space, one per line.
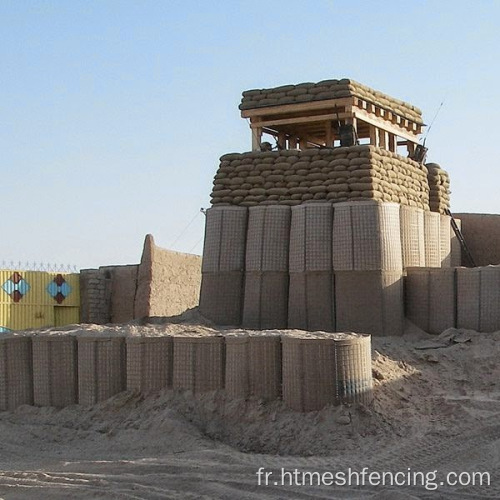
[383,138]
[384,124]
[393,143]
[282,140]
[299,119]
[291,108]
[328,134]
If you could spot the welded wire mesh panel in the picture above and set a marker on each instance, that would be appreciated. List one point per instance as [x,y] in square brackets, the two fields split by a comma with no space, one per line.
[309,381]
[225,239]
[265,366]
[369,301]
[221,297]
[149,363]
[412,236]
[456,248]
[353,365]
[265,300]
[268,238]
[342,238]
[312,301]
[445,239]
[16,372]
[237,370]
[198,363]
[469,298]
[490,299]
[432,235]
[101,368]
[55,370]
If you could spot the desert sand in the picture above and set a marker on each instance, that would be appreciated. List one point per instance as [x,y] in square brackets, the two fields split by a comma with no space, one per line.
[436,407]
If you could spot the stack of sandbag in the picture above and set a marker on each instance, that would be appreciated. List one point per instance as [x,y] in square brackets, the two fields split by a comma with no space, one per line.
[439,188]
[336,174]
[325,90]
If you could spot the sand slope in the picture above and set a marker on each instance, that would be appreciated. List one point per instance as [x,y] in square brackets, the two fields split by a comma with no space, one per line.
[435,408]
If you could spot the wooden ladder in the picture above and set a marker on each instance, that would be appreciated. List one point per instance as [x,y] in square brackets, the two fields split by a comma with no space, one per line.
[460,237]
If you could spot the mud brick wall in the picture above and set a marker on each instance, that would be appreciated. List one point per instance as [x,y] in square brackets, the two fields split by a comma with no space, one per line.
[165,283]
[439,188]
[324,90]
[169,282]
[335,174]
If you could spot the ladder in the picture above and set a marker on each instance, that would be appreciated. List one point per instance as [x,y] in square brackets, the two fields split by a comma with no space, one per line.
[460,237]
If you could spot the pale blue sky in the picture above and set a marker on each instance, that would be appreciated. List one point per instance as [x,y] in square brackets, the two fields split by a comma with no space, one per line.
[114,113]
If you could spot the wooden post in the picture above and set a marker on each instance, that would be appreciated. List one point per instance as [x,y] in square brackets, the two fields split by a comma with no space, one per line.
[411,148]
[256,138]
[292,142]
[393,143]
[383,138]
[328,134]
[374,136]
[303,142]
[282,140]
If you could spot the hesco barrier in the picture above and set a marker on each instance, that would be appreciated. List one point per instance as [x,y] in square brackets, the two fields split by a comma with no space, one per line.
[432,238]
[221,295]
[309,378]
[149,363]
[198,364]
[266,300]
[445,240]
[311,301]
[101,368]
[16,372]
[353,369]
[311,237]
[308,371]
[253,366]
[412,236]
[369,301]
[367,237]
[431,298]
[55,370]
[489,299]
[331,369]
[468,298]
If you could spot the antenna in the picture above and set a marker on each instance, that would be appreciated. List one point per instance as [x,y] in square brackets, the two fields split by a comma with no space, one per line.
[433,120]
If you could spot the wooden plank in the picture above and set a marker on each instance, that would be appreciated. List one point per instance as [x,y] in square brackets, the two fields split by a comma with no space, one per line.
[293,121]
[393,143]
[328,133]
[383,138]
[374,136]
[291,108]
[384,124]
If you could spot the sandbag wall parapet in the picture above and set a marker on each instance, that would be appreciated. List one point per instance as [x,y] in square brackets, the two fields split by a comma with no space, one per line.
[292,177]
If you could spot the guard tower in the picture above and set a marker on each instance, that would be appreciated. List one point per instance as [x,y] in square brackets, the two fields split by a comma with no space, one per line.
[331,113]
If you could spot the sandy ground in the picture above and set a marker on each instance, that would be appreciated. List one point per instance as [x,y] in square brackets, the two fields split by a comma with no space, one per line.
[437,407]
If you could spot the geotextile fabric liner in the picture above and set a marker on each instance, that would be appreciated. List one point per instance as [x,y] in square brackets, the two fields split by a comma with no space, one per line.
[469,298]
[354,370]
[367,236]
[253,366]
[225,239]
[16,372]
[432,235]
[149,363]
[55,370]
[369,301]
[268,238]
[311,237]
[198,363]
[309,378]
[412,236]
[101,368]
[430,296]
[311,301]
[445,237]
[221,297]
[265,300]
